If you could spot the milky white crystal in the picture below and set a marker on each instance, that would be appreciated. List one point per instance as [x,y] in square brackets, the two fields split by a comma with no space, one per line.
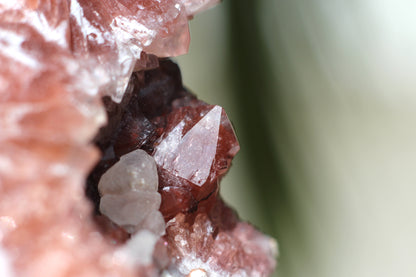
[139,249]
[5,266]
[129,194]
[136,171]
[58,58]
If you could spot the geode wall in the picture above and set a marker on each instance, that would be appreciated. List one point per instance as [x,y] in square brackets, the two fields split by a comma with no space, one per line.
[108,165]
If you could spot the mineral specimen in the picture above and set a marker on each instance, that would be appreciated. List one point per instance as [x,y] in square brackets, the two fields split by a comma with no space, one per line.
[193,144]
[68,68]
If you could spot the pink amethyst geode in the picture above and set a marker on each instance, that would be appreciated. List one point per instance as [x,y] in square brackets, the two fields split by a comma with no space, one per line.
[108,165]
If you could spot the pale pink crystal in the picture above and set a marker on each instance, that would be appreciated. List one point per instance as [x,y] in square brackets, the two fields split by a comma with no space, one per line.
[193,144]
[58,57]
[117,31]
[190,156]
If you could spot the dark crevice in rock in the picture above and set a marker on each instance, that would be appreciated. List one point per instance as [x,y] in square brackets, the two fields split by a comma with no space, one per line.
[138,120]
[192,142]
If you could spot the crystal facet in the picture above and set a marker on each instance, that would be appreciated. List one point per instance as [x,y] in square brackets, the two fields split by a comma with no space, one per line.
[66,65]
[129,194]
[191,156]
[192,142]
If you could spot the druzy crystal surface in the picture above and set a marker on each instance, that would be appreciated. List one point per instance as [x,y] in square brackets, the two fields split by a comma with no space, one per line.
[192,144]
[86,99]
[218,244]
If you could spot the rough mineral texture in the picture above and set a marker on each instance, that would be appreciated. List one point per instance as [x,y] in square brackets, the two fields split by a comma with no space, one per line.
[217,244]
[192,144]
[69,67]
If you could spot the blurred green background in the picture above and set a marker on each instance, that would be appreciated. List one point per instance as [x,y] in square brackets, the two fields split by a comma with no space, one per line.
[322,97]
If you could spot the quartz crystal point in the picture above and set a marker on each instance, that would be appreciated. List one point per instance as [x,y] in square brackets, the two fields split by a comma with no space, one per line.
[192,142]
[70,67]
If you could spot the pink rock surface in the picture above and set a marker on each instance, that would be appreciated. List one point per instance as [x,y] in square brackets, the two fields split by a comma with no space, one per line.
[217,244]
[59,58]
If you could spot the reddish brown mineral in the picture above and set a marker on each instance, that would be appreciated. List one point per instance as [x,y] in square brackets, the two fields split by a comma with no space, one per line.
[218,244]
[60,61]
[193,143]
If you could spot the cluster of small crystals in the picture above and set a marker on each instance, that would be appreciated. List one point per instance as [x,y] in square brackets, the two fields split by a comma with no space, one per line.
[58,58]
[192,144]
[217,244]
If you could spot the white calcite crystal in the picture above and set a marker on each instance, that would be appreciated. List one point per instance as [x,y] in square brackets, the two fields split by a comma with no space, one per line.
[5,266]
[129,194]
[139,249]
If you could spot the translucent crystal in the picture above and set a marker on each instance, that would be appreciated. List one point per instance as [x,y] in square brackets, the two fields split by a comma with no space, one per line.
[129,194]
[190,156]
[136,171]
[192,142]
[117,31]
[57,59]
